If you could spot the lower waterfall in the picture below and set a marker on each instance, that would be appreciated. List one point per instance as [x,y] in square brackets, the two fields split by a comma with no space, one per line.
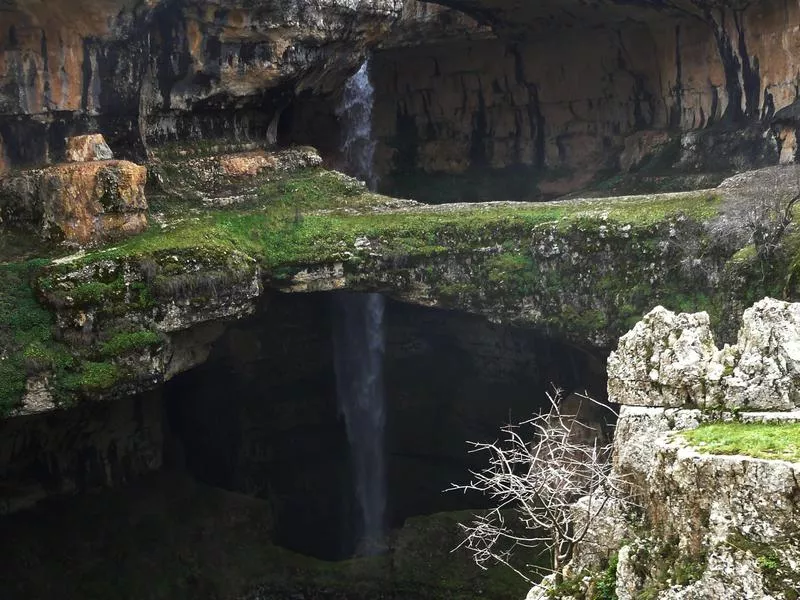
[358,354]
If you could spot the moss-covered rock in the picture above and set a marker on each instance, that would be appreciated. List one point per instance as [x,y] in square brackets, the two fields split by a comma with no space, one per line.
[584,270]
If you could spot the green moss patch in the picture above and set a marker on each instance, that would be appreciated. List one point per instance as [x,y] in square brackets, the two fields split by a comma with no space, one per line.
[26,333]
[316,218]
[127,342]
[779,441]
[93,377]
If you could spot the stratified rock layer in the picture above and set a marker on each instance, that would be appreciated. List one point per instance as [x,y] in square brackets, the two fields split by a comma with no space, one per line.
[142,72]
[567,90]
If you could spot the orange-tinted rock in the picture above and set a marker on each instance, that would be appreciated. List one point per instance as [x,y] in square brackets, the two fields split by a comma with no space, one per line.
[85,148]
[80,203]
[250,164]
[247,164]
[154,71]
[788,140]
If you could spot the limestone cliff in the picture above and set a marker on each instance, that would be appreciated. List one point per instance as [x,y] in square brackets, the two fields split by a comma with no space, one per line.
[558,89]
[157,70]
[563,89]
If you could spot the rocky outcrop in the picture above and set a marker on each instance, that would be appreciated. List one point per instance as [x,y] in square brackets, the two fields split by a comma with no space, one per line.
[224,178]
[720,526]
[703,525]
[78,202]
[671,360]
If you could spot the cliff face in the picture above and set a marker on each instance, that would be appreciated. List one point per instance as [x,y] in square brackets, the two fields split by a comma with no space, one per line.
[561,90]
[570,88]
[159,70]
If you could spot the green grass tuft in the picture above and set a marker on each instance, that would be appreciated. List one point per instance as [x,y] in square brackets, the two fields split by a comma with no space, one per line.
[760,440]
[93,376]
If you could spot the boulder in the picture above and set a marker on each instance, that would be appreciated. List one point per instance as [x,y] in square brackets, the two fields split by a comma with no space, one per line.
[85,148]
[667,359]
[767,372]
[79,203]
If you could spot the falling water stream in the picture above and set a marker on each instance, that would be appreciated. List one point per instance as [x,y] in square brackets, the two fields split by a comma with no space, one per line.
[358,348]
[355,115]
[359,340]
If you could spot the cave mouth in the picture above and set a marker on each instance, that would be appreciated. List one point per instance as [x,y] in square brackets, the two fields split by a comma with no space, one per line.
[257,427]
[261,416]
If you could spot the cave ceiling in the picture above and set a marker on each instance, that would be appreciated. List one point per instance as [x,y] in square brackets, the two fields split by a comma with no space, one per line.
[533,16]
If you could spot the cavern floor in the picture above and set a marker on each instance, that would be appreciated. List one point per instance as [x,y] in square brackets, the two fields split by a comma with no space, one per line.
[168,537]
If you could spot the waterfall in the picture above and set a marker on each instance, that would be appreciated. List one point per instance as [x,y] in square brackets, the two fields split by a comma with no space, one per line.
[358,338]
[355,115]
[358,354]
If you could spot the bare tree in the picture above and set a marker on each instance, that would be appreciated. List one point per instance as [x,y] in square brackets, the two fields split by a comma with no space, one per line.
[539,479]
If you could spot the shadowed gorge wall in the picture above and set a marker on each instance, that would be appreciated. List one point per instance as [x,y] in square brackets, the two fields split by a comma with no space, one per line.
[566,94]
[261,417]
[74,451]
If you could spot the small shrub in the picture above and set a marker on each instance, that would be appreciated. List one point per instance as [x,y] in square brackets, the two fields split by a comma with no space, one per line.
[605,585]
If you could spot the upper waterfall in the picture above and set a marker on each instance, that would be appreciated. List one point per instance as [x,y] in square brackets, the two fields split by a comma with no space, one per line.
[355,112]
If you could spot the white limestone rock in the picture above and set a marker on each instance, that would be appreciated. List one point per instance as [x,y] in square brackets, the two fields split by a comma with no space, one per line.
[670,360]
[767,372]
[667,360]
[637,430]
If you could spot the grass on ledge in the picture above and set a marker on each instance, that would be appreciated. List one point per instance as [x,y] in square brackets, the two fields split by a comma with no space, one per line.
[777,441]
[315,217]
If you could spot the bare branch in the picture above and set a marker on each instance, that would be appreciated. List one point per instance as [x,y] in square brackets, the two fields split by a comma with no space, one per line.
[536,471]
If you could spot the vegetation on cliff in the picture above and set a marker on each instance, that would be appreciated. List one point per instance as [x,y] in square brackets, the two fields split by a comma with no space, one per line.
[779,441]
[581,269]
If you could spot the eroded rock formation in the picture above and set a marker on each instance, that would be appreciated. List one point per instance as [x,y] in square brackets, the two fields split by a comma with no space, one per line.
[701,525]
[552,87]
[671,360]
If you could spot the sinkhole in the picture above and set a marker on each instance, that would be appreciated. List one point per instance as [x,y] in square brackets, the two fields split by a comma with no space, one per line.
[264,416]
[262,419]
